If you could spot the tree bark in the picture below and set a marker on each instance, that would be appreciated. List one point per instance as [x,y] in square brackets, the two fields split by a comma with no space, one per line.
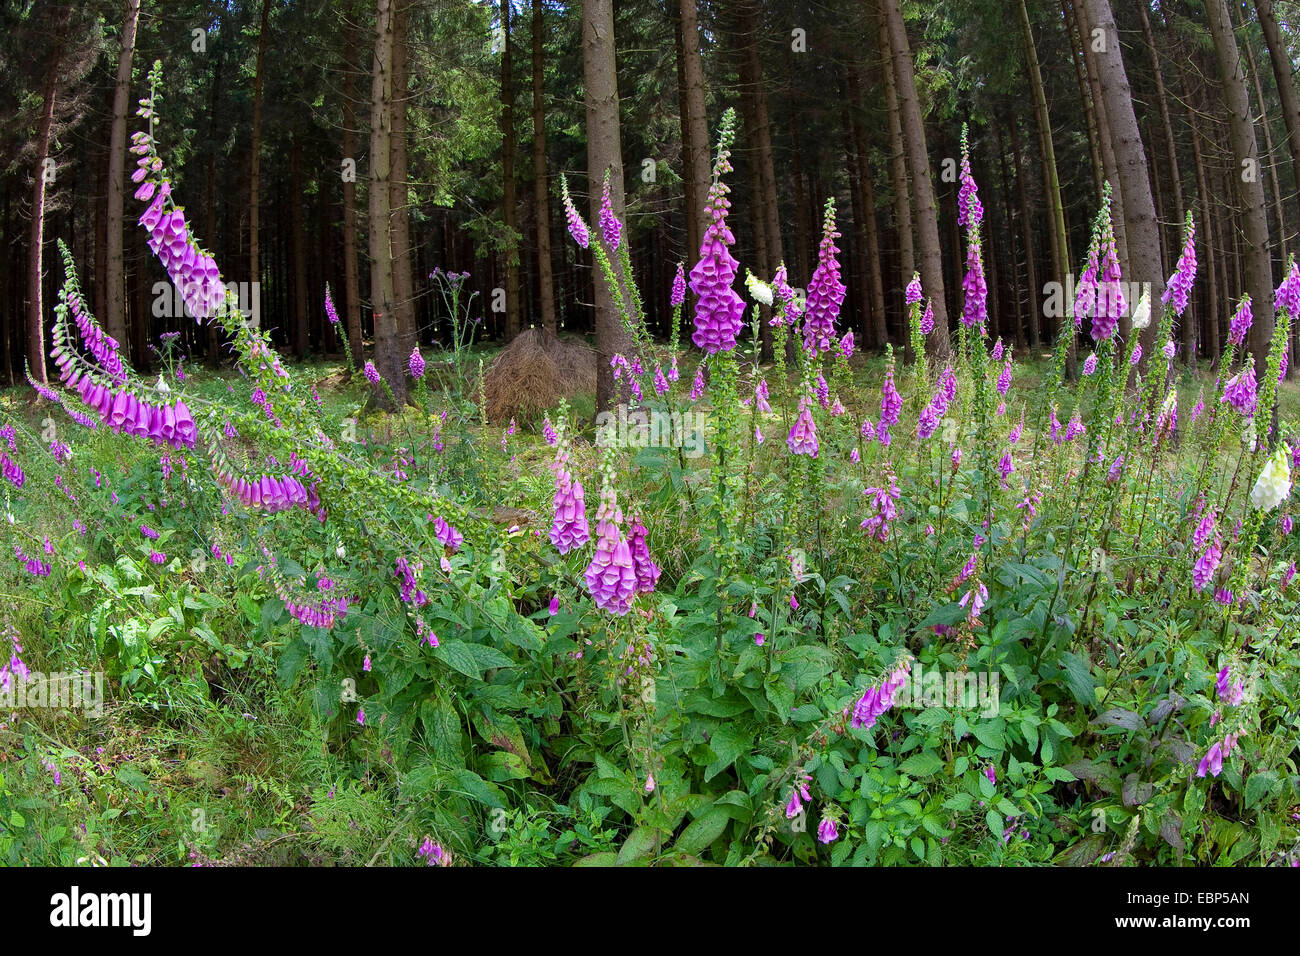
[351,278]
[35,310]
[1283,74]
[1031,267]
[927,219]
[1250,188]
[1105,139]
[1206,228]
[508,206]
[255,163]
[541,194]
[1051,180]
[1268,135]
[115,271]
[1075,43]
[604,152]
[759,135]
[897,168]
[298,240]
[388,354]
[695,130]
[878,319]
[399,188]
[1141,227]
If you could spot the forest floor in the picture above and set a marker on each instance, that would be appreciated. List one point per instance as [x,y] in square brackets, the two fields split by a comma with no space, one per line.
[231,767]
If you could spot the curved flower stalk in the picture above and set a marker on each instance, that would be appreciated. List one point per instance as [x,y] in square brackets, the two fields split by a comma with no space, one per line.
[105,386]
[319,470]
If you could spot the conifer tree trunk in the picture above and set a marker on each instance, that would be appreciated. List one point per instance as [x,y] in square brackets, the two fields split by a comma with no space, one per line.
[351,278]
[1085,97]
[388,355]
[1031,267]
[897,167]
[879,322]
[508,179]
[695,130]
[541,194]
[1268,134]
[115,271]
[399,187]
[918,162]
[35,311]
[604,152]
[298,244]
[1142,229]
[255,164]
[1051,180]
[1105,140]
[1283,74]
[1249,182]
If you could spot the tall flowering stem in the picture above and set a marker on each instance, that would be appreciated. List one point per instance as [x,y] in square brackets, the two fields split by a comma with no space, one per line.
[719,311]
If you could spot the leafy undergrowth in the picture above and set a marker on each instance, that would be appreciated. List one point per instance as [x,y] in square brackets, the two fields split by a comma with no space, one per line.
[931,613]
